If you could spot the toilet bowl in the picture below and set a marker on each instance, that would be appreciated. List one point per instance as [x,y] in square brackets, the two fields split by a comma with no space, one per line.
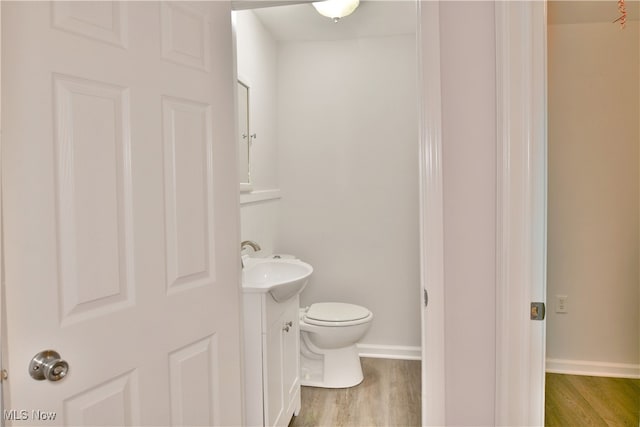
[329,332]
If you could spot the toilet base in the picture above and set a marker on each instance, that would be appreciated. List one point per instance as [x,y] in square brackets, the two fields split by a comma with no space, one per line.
[335,368]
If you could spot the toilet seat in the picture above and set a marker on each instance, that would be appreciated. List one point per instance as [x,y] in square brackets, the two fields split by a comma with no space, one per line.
[336,314]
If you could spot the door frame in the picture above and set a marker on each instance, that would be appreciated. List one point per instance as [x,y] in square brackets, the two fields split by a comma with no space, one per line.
[521,82]
[431,213]
[3,333]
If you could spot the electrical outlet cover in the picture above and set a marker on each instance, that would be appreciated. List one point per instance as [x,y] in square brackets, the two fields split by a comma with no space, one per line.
[561,304]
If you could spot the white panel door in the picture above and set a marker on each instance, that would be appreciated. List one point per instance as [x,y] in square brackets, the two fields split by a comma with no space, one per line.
[120,212]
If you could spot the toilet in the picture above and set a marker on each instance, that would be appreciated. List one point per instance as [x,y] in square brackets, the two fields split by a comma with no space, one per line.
[329,332]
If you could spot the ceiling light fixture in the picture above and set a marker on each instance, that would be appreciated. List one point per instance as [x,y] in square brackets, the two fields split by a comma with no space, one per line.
[336,9]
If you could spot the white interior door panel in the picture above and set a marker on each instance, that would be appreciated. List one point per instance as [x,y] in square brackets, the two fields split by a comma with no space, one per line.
[118,191]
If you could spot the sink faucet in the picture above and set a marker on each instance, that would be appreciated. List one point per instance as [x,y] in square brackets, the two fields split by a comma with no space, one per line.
[254,245]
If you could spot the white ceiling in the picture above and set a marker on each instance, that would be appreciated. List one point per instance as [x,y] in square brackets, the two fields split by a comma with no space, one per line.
[589,11]
[301,22]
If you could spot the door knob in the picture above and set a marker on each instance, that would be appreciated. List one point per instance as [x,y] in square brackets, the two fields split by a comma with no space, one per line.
[47,365]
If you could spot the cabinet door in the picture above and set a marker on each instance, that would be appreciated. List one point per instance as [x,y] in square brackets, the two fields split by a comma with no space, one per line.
[290,353]
[274,390]
[282,377]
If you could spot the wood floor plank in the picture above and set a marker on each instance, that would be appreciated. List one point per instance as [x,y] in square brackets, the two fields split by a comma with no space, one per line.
[609,397]
[390,395]
[566,406]
[574,400]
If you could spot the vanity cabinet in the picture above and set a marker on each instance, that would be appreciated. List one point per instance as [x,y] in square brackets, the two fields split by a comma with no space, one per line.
[272,359]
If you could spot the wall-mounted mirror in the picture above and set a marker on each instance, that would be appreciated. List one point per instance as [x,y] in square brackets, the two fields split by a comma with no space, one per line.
[244,137]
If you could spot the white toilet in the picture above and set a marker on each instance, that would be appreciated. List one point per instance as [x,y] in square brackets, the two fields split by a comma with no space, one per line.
[328,354]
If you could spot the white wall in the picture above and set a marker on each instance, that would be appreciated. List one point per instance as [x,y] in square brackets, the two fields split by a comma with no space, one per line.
[594,218]
[257,67]
[348,144]
[467,31]
[347,173]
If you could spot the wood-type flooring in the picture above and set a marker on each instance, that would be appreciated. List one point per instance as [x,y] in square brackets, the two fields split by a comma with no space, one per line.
[389,396]
[575,400]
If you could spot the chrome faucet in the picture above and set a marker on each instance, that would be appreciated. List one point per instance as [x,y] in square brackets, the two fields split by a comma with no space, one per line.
[254,245]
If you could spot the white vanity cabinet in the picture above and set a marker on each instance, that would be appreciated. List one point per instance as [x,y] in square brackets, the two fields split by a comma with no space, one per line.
[272,359]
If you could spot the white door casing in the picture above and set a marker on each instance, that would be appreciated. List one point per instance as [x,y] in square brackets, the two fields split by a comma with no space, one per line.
[431,214]
[120,209]
[521,211]
[3,332]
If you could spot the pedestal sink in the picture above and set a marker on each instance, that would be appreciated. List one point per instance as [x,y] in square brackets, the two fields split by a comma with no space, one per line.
[282,278]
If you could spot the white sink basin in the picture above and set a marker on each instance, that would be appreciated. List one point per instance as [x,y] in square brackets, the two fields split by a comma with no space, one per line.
[282,278]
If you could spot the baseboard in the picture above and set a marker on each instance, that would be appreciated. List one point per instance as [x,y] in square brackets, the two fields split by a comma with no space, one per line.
[390,351]
[259,196]
[595,369]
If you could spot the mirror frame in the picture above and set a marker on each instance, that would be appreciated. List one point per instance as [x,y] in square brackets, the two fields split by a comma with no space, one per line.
[244,137]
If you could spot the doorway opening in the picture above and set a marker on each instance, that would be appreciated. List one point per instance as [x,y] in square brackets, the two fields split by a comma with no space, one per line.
[334,170]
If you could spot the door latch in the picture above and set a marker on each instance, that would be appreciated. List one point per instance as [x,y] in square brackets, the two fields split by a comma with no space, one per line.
[537,311]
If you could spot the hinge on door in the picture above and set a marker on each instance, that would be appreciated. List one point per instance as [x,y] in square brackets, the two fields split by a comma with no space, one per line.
[537,311]
[426,298]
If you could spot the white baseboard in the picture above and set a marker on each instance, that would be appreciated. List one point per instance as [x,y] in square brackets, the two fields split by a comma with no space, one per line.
[594,369]
[390,351]
[259,196]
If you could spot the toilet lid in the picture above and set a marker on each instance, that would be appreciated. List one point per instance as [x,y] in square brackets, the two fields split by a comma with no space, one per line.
[336,312]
